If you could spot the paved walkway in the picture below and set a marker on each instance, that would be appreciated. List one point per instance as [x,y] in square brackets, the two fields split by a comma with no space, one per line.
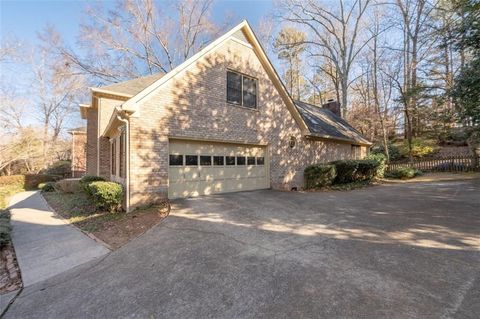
[45,244]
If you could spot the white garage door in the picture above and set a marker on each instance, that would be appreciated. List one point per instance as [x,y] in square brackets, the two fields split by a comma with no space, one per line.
[201,168]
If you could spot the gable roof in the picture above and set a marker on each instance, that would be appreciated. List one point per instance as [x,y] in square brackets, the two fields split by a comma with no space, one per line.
[325,124]
[130,87]
[132,104]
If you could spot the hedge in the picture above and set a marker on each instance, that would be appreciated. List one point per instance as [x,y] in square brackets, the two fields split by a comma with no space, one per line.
[345,171]
[382,163]
[87,179]
[366,170]
[106,195]
[47,187]
[28,181]
[319,175]
[404,173]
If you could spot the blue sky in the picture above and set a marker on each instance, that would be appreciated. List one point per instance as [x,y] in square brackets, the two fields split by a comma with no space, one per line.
[25,18]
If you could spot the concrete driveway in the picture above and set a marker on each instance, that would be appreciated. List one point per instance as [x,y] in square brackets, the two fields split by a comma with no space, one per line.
[398,251]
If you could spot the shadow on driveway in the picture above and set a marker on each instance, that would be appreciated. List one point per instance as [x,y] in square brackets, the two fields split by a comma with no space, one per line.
[396,251]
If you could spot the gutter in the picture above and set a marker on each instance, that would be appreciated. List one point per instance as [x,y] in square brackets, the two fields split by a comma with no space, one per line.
[127,162]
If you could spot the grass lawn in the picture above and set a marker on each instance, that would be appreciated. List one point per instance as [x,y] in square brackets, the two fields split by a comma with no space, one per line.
[6,191]
[115,229]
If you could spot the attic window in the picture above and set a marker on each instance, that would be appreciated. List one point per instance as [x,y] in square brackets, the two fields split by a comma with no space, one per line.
[241,90]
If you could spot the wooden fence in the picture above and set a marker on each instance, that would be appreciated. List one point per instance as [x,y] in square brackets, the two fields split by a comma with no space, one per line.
[463,163]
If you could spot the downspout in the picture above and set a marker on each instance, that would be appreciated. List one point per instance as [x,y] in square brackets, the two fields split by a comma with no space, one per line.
[127,162]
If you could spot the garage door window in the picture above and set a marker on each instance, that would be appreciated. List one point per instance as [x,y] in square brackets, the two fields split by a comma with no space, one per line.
[205,160]
[218,160]
[251,160]
[176,160]
[230,160]
[260,160]
[240,160]
[191,160]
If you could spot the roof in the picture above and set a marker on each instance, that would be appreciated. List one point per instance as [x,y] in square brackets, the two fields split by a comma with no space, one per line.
[78,130]
[324,123]
[131,87]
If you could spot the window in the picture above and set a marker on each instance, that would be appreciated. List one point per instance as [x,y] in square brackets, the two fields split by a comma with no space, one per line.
[218,160]
[230,160]
[122,154]
[241,90]
[176,160]
[113,160]
[191,160]
[249,92]
[205,160]
[234,88]
[251,160]
[240,160]
[260,160]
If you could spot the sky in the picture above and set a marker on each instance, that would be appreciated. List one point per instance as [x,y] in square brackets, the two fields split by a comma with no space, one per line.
[25,18]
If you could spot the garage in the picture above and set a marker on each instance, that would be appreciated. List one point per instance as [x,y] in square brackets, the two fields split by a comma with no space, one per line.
[201,168]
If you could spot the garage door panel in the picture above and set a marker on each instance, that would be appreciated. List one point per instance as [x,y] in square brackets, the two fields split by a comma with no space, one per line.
[187,181]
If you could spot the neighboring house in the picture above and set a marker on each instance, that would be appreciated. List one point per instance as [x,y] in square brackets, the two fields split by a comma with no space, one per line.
[220,122]
[79,151]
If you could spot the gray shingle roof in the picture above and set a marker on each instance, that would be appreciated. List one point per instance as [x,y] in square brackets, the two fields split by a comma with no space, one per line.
[324,123]
[133,86]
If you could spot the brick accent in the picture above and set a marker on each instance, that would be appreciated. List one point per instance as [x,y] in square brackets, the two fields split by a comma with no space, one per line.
[79,154]
[92,140]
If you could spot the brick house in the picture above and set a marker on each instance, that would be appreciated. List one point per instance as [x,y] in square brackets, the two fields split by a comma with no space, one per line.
[222,121]
[79,151]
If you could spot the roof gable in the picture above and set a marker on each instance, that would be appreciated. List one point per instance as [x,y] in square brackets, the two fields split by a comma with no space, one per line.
[241,32]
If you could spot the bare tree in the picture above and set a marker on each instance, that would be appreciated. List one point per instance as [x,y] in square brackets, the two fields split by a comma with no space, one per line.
[334,34]
[138,38]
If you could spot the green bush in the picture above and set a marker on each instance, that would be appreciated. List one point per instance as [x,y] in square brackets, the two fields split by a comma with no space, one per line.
[366,170]
[106,195]
[381,159]
[393,151]
[345,171]
[87,179]
[403,173]
[61,168]
[47,187]
[5,228]
[319,175]
[420,148]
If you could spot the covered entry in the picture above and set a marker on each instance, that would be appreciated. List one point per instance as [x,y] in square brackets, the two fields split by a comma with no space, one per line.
[201,168]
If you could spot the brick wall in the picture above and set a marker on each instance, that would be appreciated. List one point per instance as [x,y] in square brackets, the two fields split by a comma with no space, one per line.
[193,104]
[92,139]
[79,154]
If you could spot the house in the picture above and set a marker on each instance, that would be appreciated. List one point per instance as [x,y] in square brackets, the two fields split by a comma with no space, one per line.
[222,121]
[79,148]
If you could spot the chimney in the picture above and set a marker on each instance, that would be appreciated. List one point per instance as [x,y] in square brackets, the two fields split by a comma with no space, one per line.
[333,106]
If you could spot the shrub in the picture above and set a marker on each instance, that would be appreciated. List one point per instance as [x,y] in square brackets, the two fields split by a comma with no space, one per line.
[403,173]
[87,179]
[345,171]
[61,168]
[381,159]
[5,228]
[12,180]
[366,170]
[106,195]
[47,187]
[68,185]
[420,148]
[393,151]
[319,175]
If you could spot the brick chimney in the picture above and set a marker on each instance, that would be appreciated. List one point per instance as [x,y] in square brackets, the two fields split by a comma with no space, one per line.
[333,106]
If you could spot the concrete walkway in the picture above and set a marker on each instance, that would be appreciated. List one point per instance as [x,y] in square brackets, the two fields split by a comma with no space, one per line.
[45,244]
